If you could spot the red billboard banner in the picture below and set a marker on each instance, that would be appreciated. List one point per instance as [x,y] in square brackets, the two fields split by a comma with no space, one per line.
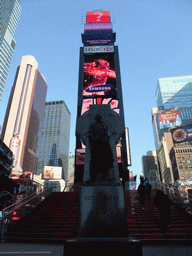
[169,118]
[99,75]
[98,17]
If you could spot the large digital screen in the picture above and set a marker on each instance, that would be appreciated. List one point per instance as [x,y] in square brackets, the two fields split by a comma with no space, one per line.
[169,118]
[182,134]
[98,17]
[80,156]
[99,75]
[91,26]
[87,102]
[52,172]
[98,37]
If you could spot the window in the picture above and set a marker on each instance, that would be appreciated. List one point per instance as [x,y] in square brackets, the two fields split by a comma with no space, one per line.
[182,178]
[184,161]
[181,172]
[179,161]
[187,155]
[186,167]
[188,161]
[183,156]
[186,172]
[180,167]
[178,156]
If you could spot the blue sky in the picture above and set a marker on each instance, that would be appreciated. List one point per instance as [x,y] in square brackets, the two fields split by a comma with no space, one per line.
[154,39]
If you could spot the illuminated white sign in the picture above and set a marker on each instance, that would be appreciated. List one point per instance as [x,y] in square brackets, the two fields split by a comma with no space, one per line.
[52,172]
[95,49]
[14,147]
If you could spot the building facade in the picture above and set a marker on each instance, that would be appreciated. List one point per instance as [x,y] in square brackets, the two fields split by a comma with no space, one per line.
[181,160]
[165,165]
[10,13]
[6,159]
[172,94]
[54,142]
[24,116]
[156,128]
[150,166]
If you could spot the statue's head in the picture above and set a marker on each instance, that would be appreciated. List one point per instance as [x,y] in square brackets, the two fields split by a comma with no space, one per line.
[98,118]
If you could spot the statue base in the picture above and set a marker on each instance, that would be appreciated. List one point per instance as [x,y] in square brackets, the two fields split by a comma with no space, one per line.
[102,210]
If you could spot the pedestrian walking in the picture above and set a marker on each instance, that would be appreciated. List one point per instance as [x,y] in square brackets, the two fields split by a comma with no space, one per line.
[142,191]
[148,189]
[163,203]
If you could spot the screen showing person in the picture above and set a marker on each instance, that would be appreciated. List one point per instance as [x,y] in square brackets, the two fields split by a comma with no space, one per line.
[99,75]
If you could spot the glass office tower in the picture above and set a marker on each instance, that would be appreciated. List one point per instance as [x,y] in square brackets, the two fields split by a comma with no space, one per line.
[10,13]
[54,142]
[172,92]
[24,116]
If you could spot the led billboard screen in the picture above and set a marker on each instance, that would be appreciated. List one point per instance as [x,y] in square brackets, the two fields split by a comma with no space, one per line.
[98,49]
[98,17]
[118,152]
[80,156]
[98,37]
[52,172]
[99,75]
[169,118]
[91,26]
[87,102]
[182,134]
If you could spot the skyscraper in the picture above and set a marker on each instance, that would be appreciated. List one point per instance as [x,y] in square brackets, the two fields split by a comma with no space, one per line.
[150,166]
[54,142]
[172,92]
[24,116]
[174,108]
[10,13]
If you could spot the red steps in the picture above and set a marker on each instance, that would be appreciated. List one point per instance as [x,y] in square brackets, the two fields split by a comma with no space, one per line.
[144,222]
[56,216]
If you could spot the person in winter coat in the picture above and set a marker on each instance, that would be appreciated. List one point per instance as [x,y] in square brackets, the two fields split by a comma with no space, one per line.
[148,189]
[142,191]
[163,203]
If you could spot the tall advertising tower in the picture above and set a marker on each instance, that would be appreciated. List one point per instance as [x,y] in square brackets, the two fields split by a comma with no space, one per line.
[99,83]
[101,154]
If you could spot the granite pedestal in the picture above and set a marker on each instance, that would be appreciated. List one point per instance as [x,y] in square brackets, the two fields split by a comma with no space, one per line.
[102,211]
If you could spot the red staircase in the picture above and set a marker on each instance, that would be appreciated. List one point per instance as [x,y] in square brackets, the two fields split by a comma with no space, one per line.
[144,221]
[55,218]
